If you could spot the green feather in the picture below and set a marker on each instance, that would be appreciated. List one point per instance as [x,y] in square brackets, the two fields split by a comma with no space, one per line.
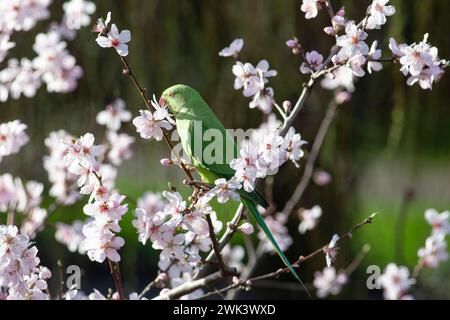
[193,115]
[254,213]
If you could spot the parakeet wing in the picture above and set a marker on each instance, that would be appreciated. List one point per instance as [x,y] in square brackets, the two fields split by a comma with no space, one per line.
[199,149]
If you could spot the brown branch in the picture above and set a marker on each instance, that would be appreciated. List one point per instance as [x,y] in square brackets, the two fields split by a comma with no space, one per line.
[357,260]
[215,245]
[215,277]
[115,271]
[191,286]
[302,259]
[224,240]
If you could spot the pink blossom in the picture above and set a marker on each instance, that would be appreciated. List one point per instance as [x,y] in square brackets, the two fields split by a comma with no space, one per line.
[114,115]
[115,40]
[329,282]
[151,125]
[310,8]
[233,49]
[309,218]
[395,281]
[313,62]
[77,13]
[331,250]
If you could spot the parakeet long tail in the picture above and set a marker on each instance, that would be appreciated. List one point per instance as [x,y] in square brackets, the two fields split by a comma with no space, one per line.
[254,213]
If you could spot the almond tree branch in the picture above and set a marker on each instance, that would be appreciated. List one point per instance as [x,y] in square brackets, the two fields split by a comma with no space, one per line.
[189,287]
[216,246]
[302,259]
[115,271]
[142,91]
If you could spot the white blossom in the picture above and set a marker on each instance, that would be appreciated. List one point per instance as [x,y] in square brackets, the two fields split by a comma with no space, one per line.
[395,281]
[233,49]
[115,40]
[329,282]
[114,115]
[309,218]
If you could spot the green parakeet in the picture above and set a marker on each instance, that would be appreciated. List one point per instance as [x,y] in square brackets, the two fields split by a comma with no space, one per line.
[193,119]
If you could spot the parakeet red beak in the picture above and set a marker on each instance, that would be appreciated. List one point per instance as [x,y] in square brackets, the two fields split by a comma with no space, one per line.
[162,101]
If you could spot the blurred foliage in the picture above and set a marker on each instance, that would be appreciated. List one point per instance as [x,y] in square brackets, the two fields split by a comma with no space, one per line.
[389,138]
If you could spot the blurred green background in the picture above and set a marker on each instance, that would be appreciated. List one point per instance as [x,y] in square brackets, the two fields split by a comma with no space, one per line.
[388,141]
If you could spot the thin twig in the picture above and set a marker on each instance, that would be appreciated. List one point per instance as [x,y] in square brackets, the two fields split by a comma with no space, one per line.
[311,160]
[357,260]
[142,91]
[190,286]
[147,288]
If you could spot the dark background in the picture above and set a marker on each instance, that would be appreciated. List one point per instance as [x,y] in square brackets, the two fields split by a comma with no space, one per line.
[390,139]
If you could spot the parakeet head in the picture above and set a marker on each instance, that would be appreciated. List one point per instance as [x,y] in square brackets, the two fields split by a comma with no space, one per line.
[176,97]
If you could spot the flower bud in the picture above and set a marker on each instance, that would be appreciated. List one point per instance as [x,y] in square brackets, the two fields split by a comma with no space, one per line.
[166,162]
[246,228]
[287,106]
[321,178]
[294,45]
[329,31]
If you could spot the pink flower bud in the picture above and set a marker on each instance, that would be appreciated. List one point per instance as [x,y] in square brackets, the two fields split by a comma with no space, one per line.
[166,162]
[287,106]
[321,178]
[341,12]
[294,45]
[246,228]
[330,31]
[162,277]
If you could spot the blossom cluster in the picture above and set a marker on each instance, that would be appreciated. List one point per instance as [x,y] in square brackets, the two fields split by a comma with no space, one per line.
[420,62]
[21,276]
[396,280]
[60,177]
[252,79]
[178,230]
[71,235]
[105,205]
[435,250]
[265,152]
[17,197]
[12,137]
[53,65]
